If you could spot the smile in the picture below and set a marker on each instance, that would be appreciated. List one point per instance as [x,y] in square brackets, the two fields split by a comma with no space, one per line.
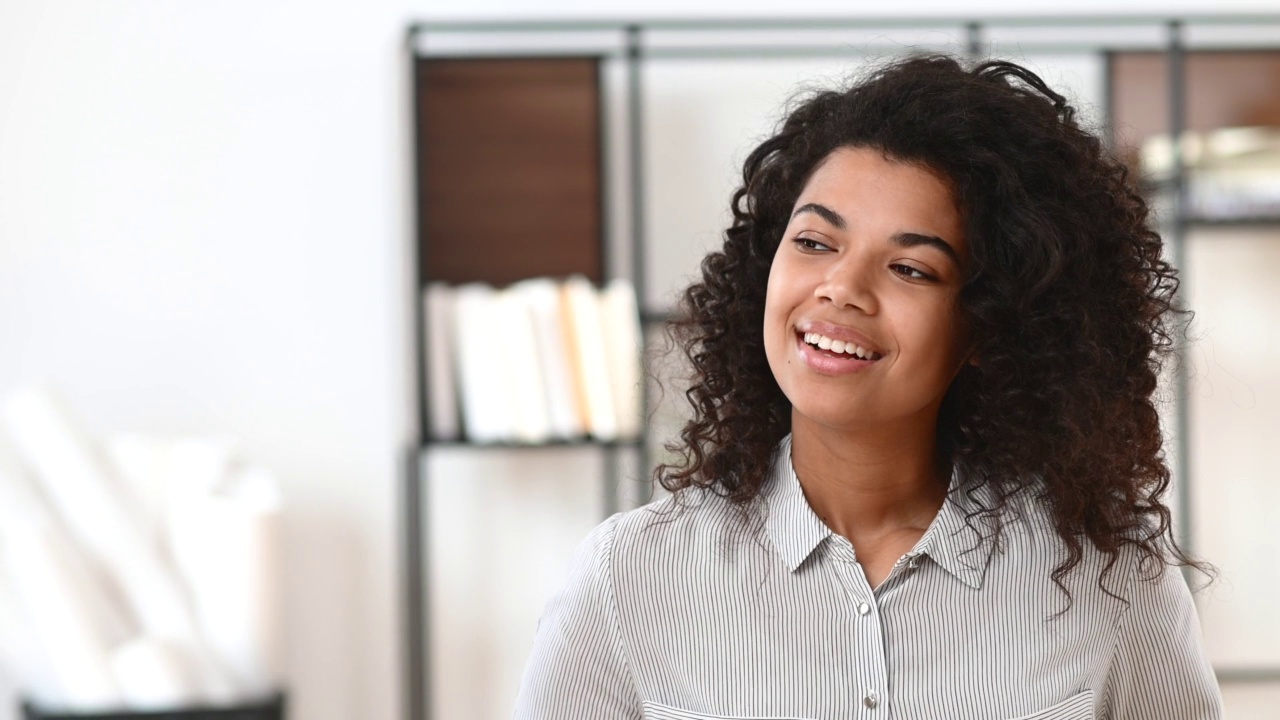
[849,358]
[839,347]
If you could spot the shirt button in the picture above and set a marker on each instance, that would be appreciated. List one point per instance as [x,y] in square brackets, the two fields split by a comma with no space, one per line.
[871,701]
[863,608]
[913,562]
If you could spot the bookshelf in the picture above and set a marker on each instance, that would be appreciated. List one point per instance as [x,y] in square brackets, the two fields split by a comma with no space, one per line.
[1161,75]
[510,185]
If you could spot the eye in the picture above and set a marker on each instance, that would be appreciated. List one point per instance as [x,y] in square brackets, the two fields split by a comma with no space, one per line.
[910,273]
[810,245]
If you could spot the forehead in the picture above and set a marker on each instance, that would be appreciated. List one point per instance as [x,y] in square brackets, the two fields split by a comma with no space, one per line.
[879,193]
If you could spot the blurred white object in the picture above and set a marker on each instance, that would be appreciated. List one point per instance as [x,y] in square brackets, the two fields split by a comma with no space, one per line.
[90,500]
[527,403]
[60,616]
[1215,149]
[220,522]
[586,338]
[484,388]
[542,298]
[61,607]
[24,662]
[224,522]
[140,463]
[620,325]
[438,379]
[151,675]
[1230,172]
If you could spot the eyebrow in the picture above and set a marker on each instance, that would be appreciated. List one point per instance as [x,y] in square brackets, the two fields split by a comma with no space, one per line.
[901,239]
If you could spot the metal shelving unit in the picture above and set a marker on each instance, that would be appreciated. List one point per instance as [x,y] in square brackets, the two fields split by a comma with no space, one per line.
[630,43]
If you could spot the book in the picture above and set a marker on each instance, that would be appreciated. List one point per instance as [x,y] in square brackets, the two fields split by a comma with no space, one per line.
[587,350]
[542,298]
[521,365]
[620,327]
[482,386]
[439,381]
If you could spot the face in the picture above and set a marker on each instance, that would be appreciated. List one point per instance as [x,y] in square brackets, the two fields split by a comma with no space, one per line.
[861,323]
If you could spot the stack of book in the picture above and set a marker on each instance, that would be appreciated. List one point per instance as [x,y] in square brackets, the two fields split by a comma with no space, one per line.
[540,361]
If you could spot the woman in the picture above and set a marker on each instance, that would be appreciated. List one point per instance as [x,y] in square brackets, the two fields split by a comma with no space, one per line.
[923,477]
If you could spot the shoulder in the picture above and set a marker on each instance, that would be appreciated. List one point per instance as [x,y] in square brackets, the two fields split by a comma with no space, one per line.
[684,523]
[1029,539]
[1130,607]
[676,542]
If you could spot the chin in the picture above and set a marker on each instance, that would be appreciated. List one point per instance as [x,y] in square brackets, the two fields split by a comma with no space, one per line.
[836,416]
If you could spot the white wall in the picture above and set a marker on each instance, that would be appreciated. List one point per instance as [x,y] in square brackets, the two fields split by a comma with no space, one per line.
[204,216]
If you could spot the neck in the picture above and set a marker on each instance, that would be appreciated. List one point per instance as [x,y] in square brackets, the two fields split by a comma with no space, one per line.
[869,481]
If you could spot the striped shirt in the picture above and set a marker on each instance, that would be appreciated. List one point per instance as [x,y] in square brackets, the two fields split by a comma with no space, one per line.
[692,614]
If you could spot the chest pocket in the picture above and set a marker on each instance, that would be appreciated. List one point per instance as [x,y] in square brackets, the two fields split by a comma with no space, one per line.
[657,711]
[1076,707]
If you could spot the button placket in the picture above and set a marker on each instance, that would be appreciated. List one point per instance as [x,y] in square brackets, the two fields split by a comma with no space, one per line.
[870,676]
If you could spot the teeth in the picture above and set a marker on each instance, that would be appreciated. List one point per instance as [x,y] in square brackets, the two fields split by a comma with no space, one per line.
[838,346]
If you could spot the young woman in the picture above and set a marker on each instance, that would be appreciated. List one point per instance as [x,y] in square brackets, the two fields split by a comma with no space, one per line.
[923,476]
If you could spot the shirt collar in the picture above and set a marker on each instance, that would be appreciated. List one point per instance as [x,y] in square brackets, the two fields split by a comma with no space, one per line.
[796,531]
[962,536]
[960,545]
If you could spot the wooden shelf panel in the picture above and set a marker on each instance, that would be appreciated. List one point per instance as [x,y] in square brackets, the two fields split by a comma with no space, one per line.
[510,169]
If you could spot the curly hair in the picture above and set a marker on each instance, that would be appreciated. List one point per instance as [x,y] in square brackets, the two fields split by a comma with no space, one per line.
[1070,304]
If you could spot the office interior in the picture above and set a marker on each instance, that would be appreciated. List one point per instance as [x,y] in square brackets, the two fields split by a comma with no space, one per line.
[209,226]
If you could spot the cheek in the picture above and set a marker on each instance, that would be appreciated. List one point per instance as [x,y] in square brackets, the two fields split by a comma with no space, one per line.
[775,324]
[776,329]
[934,337]
[775,301]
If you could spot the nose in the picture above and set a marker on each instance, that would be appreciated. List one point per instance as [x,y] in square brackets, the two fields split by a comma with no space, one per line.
[849,284]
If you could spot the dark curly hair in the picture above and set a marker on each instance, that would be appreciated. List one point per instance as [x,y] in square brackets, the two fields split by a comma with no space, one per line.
[1070,304]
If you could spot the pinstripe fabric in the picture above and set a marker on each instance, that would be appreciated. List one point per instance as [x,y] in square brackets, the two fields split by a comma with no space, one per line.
[694,614]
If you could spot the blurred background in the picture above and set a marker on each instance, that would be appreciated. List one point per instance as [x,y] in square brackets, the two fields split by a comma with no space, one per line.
[212,223]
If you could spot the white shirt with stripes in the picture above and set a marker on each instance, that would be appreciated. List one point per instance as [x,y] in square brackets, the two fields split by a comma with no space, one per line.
[692,614]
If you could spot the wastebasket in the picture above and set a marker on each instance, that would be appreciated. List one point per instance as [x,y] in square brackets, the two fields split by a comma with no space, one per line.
[270,709]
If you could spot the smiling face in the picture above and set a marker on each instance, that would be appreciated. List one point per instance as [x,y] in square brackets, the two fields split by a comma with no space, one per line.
[869,266]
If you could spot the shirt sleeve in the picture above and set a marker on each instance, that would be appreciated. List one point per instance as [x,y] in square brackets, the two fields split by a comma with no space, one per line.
[578,669]
[1161,671]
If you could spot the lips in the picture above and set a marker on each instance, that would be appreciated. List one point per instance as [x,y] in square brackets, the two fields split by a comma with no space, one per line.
[839,347]
[843,333]
[826,362]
